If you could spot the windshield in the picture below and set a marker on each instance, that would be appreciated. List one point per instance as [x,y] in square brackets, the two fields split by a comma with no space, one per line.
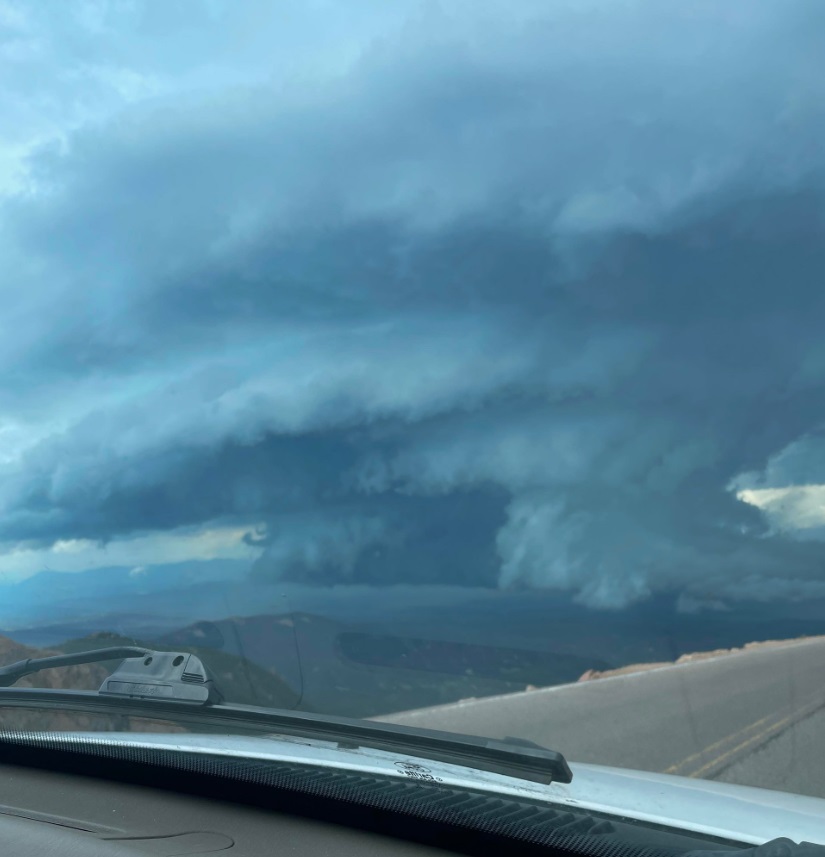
[454,365]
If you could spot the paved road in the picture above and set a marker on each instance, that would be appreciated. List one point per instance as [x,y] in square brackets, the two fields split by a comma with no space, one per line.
[756,718]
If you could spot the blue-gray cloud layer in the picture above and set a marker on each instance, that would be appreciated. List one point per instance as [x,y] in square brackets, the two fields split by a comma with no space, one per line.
[458,294]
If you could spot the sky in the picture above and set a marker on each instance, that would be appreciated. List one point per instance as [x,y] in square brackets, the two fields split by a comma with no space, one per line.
[472,293]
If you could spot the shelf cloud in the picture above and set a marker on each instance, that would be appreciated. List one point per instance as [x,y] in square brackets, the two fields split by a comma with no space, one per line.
[460,295]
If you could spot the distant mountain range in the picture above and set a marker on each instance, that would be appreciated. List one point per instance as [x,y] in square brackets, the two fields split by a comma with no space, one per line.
[428,656]
[360,673]
[145,600]
[372,650]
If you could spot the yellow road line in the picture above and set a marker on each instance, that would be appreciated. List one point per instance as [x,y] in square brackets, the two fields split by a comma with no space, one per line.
[738,747]
[733,736]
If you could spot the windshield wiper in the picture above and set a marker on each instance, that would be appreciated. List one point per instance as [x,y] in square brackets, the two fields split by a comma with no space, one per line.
[178,686]
[144,673]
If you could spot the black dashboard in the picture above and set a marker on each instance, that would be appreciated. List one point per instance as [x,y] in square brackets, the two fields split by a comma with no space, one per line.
[43,812]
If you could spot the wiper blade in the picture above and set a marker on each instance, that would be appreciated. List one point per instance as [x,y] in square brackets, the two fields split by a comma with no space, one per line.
[509,757]
[169,682]
[144,673]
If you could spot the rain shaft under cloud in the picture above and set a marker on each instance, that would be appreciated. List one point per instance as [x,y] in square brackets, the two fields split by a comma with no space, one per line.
[477,297]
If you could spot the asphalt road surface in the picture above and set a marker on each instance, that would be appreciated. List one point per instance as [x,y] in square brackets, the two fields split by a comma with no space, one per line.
[754,718]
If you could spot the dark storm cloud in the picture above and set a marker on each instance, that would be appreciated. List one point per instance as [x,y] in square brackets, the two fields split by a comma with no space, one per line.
[515,298]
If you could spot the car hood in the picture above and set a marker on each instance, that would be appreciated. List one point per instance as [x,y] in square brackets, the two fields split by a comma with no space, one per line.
[741,813]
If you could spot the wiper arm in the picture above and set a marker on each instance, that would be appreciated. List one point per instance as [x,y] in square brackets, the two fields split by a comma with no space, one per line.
[144,673]
[13,672]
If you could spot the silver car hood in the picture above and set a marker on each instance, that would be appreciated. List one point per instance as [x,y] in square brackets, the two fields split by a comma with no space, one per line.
[742,813]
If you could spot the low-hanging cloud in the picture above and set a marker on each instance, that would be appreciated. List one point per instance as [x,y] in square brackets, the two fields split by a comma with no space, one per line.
[493,298]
